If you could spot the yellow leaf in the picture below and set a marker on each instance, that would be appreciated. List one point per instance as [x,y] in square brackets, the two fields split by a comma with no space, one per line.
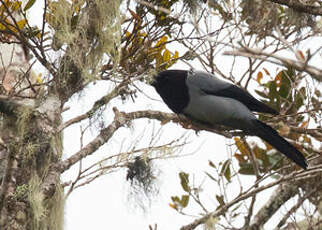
[160,44]
[2,27]
[164,39]
[174,58]
[21,24]
[6,25]
[304,124]
[174,206]
[127,34]
[38,35]
[241,147]
[16,5]
[166,55]
[176,55]
[259,77]
[239,157]
[39,79]
[308,140]
[278,78]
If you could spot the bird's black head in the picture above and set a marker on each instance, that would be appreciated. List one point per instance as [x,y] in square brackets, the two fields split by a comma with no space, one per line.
[171,85]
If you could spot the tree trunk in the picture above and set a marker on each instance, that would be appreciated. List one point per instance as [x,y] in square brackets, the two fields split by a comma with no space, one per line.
[30,194]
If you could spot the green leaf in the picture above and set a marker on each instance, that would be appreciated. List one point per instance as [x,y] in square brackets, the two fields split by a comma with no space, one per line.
[272,89]
[184,201]
[246,169]
[211,164]
[175,199]
[184,181]
[273,94]
[299,97]
[225,170]
[285,85]
[211,177]
[262,94]
[220,199]
[262,157]
[275,160]
[29,4]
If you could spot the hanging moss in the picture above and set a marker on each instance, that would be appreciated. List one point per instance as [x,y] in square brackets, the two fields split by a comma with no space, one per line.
[42,218]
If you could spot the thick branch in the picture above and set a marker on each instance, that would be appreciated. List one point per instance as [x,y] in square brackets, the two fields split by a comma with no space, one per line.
[121,119]
[10,105]
[105,134]
[298,6]
[294,208]
[282,194]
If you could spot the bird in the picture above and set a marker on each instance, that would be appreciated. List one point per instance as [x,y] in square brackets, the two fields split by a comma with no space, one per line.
[204,98]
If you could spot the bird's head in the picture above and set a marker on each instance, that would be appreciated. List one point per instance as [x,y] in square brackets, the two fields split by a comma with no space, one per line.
[171,86]
[169,78]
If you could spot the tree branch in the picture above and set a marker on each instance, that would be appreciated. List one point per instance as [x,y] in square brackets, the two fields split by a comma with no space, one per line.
[121,119]
[294,176]
[98,104]
[294,208]
[282,194]
[259,54]
[10,105]
[297,6]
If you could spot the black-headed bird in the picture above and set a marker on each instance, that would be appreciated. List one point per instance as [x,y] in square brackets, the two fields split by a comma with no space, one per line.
[202,97]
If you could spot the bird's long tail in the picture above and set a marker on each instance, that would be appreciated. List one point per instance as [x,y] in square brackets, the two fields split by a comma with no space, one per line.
[271,136]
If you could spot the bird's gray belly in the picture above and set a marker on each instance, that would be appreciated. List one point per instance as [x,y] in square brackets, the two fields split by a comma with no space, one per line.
[219,111]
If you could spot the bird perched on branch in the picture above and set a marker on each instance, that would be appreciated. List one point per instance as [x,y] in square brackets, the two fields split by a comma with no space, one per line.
[202,97]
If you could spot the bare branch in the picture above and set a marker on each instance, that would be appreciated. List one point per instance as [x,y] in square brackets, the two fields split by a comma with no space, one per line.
[249,193]
[259,54]
[97,105]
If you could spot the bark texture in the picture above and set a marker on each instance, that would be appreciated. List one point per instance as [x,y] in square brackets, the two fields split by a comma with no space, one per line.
[29,145]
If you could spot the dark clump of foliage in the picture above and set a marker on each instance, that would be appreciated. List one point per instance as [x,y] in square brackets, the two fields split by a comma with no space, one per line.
[140,173]
[142,176]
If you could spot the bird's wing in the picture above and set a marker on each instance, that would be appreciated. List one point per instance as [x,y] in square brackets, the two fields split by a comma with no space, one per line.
[214,86]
